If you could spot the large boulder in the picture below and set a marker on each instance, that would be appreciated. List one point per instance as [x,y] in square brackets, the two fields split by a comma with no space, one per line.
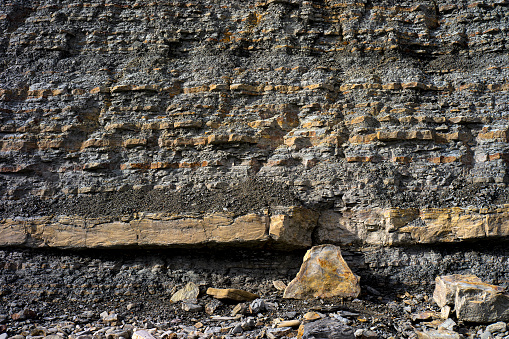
[323,274]
[473,299]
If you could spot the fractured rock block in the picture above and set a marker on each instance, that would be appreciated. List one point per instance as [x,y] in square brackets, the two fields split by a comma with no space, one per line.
[323,274]
[473,300]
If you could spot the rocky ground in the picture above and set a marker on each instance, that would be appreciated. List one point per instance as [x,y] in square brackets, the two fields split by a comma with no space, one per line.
[112,295]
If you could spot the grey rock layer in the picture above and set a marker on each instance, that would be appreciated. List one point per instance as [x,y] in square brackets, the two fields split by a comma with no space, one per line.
[348,109]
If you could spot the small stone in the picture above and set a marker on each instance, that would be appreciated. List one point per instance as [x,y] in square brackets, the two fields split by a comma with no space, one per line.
[257,306]
[212,306]
[323,274]
[326,328]
[447,325]
[310,316]
[117,334]
[25,314]
[231,294]
[109,317]
[445,312]
[497,327]
[190,291]
[279,285]
[237,329]
[38,332]
[438,334]
[422,316]
[189,306]
[486,335]
[248,324]
[273,333]
[289,323]
[241,308]
[369,335]
[87,314]
[142,334]
[365,334]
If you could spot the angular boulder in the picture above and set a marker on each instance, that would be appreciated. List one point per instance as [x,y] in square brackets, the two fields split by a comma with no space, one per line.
[323,274]
[473,299]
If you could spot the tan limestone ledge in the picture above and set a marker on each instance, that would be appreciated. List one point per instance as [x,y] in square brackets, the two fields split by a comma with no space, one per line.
[409,226]
[288,229]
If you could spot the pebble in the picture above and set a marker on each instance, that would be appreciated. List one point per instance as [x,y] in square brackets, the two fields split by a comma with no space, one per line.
[310,316]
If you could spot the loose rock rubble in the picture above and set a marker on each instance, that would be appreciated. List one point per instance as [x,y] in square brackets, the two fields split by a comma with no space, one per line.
[53,311]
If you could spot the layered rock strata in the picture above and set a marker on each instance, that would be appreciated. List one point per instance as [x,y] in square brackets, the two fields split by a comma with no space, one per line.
[386,121]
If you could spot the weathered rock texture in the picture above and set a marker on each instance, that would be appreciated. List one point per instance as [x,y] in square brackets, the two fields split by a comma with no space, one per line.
[473,299]
[166,123]
[323,274]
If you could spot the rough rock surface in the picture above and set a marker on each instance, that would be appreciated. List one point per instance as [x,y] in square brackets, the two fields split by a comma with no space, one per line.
[112,294]
[388,119]
[189,292]
[473,299]
[323,274]
[325,329]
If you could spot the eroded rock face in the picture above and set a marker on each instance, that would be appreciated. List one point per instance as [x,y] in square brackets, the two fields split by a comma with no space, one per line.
[323,274]
[386,121]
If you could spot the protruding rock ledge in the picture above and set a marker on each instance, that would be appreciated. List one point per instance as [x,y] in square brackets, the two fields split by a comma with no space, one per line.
[408,226]
[288,229]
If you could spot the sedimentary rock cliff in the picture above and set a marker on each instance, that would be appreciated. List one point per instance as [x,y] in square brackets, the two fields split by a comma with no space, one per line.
[281,123]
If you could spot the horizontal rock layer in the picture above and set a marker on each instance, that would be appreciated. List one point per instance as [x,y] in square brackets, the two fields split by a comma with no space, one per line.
[290,228]
[387,121]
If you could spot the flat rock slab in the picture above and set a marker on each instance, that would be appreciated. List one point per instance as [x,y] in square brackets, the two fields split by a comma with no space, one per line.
[473,299]
[324,329]
[231,294]
[323,274]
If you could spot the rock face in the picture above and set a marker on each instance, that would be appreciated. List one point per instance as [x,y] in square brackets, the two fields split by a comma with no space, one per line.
[323,274]
[473,300]
[140,123]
